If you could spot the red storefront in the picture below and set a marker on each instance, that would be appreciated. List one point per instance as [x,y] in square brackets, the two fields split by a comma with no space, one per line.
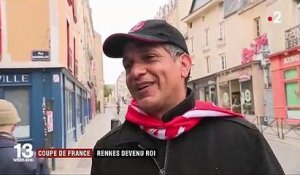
[285,67]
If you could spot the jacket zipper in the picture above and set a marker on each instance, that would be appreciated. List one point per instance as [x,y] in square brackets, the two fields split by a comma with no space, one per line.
[161,170]
[164,170]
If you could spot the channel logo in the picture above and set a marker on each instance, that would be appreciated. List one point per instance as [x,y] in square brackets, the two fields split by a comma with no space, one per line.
[24,153]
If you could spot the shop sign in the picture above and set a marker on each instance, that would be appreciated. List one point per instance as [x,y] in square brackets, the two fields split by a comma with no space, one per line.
[15,78]
[291,59]
[211,82]
[244,77]
[223,83]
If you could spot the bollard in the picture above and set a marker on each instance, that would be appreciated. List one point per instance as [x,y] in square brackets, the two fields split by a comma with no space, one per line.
[114,123]
[53,167]
[53,164]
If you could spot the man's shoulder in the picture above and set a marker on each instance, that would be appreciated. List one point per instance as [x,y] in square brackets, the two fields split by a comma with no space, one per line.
[229,129]
[108,139]
[239,122]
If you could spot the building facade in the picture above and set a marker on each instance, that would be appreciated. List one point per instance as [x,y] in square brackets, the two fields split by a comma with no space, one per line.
[230,42]
[44,69]
[285,62]
[98,74]
[122,95]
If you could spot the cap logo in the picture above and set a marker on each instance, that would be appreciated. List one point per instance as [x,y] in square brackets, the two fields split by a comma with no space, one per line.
[137,27]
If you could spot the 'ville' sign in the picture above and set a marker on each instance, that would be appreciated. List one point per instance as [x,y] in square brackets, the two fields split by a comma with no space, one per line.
[15,78]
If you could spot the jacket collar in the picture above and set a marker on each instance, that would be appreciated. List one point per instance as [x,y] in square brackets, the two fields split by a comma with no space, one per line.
[187,104]
[6,140]
[131,133]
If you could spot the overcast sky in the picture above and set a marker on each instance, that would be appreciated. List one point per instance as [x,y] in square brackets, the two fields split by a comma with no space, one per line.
[112,16]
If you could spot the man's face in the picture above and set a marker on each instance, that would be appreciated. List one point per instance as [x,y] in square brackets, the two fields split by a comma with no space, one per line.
[153,77]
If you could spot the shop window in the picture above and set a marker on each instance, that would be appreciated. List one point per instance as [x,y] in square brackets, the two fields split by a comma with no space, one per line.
[212,95]
[20,98]
[236,102]
[292,94]
[69,108]
[206,91]
[78,106]
[290,74]
[247,101]
[202,93]
[225,98]
[292,99]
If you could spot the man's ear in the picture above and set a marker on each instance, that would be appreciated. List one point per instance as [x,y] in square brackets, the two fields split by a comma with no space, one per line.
[186,64]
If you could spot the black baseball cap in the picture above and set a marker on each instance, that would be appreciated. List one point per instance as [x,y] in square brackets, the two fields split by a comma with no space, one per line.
[150,31]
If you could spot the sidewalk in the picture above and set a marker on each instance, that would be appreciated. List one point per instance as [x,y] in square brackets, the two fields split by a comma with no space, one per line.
[289,141]
[271,133]
[97,128]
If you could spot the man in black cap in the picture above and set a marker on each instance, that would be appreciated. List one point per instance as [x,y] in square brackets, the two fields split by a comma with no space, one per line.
[191,137]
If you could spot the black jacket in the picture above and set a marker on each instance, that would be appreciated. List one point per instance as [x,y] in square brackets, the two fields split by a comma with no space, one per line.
[215,146]
[7,155]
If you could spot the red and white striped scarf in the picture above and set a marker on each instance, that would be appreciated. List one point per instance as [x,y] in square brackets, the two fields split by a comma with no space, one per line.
[178,124]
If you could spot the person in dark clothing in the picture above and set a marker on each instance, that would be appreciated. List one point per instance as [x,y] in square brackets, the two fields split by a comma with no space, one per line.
[191,137]
[8,154]
[118,107]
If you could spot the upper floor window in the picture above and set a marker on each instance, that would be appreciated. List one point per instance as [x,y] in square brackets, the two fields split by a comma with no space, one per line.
[75,59]
[221,31]
[74,11]
[223,61]
[69,50]
[257,27]
[73,4]
[206,36]
[297,11]
[207,59]
[191,44]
